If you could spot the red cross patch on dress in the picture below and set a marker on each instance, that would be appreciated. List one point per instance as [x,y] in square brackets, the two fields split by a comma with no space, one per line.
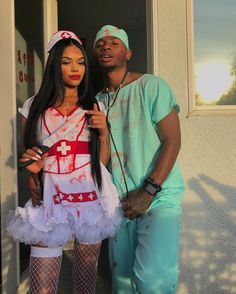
[65,148]
[75,197]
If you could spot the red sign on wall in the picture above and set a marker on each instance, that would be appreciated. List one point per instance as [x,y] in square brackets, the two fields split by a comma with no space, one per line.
[27,61]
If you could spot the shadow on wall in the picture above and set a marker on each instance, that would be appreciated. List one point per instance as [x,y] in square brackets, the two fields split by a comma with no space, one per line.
[8,251]
[23,195]
[208,261]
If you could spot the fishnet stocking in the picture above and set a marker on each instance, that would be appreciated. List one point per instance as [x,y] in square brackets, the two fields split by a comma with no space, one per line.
[44,274]
[85,268]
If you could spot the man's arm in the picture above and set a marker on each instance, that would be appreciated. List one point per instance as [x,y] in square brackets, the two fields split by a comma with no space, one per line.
[169,131]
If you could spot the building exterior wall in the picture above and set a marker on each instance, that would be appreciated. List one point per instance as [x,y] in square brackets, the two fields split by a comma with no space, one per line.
[208,160]
[8,177]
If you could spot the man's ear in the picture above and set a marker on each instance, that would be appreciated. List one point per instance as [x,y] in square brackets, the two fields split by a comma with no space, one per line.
[129,54]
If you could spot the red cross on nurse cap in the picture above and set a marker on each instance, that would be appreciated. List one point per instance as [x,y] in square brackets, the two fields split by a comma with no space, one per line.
[60,35]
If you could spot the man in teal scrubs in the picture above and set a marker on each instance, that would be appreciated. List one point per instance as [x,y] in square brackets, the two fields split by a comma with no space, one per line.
[142,114]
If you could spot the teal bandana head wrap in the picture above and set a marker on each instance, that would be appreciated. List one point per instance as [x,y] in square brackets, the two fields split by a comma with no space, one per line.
[109,30]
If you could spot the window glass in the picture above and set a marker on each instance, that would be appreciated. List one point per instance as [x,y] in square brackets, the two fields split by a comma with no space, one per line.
[215,52]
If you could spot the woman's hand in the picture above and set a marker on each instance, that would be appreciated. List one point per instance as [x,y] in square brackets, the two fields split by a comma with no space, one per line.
[97,120]
[35,156]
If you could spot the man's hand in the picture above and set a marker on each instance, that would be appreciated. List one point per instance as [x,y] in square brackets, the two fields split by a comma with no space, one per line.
[35,190]
[137,203]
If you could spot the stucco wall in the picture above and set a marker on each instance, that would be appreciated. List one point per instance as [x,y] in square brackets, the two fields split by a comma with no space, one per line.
[208,159]
[9,257]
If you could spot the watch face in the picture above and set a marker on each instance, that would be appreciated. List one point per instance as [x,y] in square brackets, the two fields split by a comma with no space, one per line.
[150,188]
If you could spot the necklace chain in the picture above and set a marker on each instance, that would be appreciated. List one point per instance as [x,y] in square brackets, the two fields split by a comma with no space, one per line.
[116,92]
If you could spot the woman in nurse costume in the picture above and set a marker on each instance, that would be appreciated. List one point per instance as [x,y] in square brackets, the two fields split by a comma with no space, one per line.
[67,149]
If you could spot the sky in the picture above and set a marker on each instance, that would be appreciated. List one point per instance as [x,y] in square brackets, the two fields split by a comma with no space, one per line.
[215,25]
[214,46]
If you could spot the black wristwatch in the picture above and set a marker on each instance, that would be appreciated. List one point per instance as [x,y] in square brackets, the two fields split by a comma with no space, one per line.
[151,187]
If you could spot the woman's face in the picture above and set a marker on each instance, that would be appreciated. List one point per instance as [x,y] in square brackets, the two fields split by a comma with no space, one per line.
[73,66]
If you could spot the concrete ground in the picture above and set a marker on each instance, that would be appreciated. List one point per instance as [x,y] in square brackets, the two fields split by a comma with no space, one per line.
[103,279]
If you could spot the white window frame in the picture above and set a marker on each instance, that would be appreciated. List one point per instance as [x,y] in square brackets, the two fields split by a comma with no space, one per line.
[193,109]
[152,38]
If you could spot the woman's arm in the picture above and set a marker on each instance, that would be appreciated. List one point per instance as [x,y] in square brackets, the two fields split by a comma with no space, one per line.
[33,180]
[105,150]
[23,122]
[97,120]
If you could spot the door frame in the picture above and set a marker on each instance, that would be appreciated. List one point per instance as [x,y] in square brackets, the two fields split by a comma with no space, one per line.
[8,176]
[152,36]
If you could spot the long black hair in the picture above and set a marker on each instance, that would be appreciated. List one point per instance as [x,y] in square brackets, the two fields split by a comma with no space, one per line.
[52,91]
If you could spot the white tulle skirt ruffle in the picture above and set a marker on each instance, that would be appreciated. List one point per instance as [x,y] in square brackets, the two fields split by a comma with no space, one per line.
[88,223]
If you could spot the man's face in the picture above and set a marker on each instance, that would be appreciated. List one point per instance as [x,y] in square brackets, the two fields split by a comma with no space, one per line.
[111,52]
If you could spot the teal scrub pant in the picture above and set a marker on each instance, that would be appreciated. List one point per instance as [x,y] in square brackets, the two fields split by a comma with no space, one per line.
[144,254]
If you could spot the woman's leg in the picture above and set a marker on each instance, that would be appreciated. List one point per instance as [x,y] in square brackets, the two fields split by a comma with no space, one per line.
[44,269]
[85,267]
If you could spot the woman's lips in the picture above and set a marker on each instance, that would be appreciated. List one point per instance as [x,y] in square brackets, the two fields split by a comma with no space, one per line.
[75,77]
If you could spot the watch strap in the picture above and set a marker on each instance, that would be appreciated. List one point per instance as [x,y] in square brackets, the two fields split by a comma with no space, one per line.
[155,187]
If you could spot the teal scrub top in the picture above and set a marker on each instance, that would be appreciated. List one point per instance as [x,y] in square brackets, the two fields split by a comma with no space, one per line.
[133,117]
